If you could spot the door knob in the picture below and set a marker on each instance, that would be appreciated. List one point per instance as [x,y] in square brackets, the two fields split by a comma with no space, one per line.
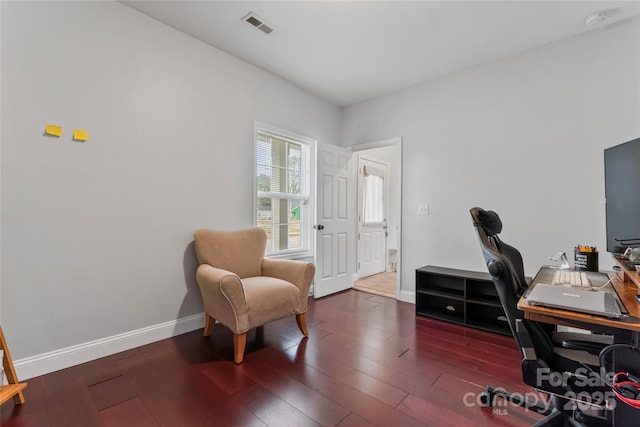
[320,227]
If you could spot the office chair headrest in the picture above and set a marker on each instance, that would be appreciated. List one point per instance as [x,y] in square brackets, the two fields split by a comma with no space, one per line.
[490,221]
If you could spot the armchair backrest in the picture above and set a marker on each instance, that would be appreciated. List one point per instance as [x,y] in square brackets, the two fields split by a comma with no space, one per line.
[501,260]
[239,252]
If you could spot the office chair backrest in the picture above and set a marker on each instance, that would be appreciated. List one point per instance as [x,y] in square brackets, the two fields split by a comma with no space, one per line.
[504,263]
[492,226]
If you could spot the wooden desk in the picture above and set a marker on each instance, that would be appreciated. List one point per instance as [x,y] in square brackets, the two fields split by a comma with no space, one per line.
[625,330]
[627,293]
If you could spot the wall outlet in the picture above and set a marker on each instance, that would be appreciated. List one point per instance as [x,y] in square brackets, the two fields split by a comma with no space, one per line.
[423,209]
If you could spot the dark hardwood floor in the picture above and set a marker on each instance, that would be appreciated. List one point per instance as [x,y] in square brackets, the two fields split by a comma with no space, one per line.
[368,362]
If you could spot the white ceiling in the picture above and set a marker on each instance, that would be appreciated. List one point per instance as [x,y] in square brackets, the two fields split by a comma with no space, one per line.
[351,51]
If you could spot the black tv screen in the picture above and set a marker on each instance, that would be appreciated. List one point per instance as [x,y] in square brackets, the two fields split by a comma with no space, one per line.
[622,195]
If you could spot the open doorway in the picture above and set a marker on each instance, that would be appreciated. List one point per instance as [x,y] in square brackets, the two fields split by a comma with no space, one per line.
[378,221]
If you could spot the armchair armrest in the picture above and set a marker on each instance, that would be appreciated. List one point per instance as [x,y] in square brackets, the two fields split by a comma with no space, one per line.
[299,273]
[223,294]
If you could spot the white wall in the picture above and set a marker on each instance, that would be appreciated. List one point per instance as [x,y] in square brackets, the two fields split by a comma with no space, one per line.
[523,136]
[96,236]
[0,175]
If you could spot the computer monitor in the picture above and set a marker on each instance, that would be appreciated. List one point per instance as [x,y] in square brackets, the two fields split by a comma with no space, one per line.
[622,195]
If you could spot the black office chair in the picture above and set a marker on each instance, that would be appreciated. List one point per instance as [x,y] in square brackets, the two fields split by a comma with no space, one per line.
[544,361]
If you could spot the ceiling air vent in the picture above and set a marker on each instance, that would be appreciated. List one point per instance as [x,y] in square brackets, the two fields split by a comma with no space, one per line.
[257,22]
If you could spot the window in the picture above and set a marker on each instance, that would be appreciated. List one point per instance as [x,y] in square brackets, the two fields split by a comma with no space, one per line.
[282,181]
[373,197]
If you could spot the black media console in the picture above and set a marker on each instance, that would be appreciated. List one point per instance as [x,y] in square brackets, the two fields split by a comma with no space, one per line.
[459,296]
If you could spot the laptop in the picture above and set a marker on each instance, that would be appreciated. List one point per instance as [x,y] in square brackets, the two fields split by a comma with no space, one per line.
[600,303]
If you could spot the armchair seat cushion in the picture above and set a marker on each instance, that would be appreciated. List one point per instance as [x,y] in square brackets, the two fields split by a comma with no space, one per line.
[269,299]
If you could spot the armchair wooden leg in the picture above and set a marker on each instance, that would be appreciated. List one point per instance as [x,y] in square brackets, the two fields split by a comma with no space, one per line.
[301,320]
[210,322]
[239,342]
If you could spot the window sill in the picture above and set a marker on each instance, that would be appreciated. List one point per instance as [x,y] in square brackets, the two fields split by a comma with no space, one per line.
[294,255]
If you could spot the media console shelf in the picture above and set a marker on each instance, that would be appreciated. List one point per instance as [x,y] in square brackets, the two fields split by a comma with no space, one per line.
[459,296]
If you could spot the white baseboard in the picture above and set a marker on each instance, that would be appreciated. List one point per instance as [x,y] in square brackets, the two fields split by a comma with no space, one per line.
[408,296]
[45,363]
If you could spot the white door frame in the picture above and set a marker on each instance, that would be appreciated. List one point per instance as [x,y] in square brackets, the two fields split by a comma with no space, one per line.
[377,144]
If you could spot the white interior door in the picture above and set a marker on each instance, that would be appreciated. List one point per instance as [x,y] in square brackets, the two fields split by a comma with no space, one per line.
[372,216]
[334,222]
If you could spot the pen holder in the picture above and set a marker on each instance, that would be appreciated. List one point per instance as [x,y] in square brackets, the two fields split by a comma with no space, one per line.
[586,261]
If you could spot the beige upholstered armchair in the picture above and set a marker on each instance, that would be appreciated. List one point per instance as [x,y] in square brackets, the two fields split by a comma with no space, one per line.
[242,290]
